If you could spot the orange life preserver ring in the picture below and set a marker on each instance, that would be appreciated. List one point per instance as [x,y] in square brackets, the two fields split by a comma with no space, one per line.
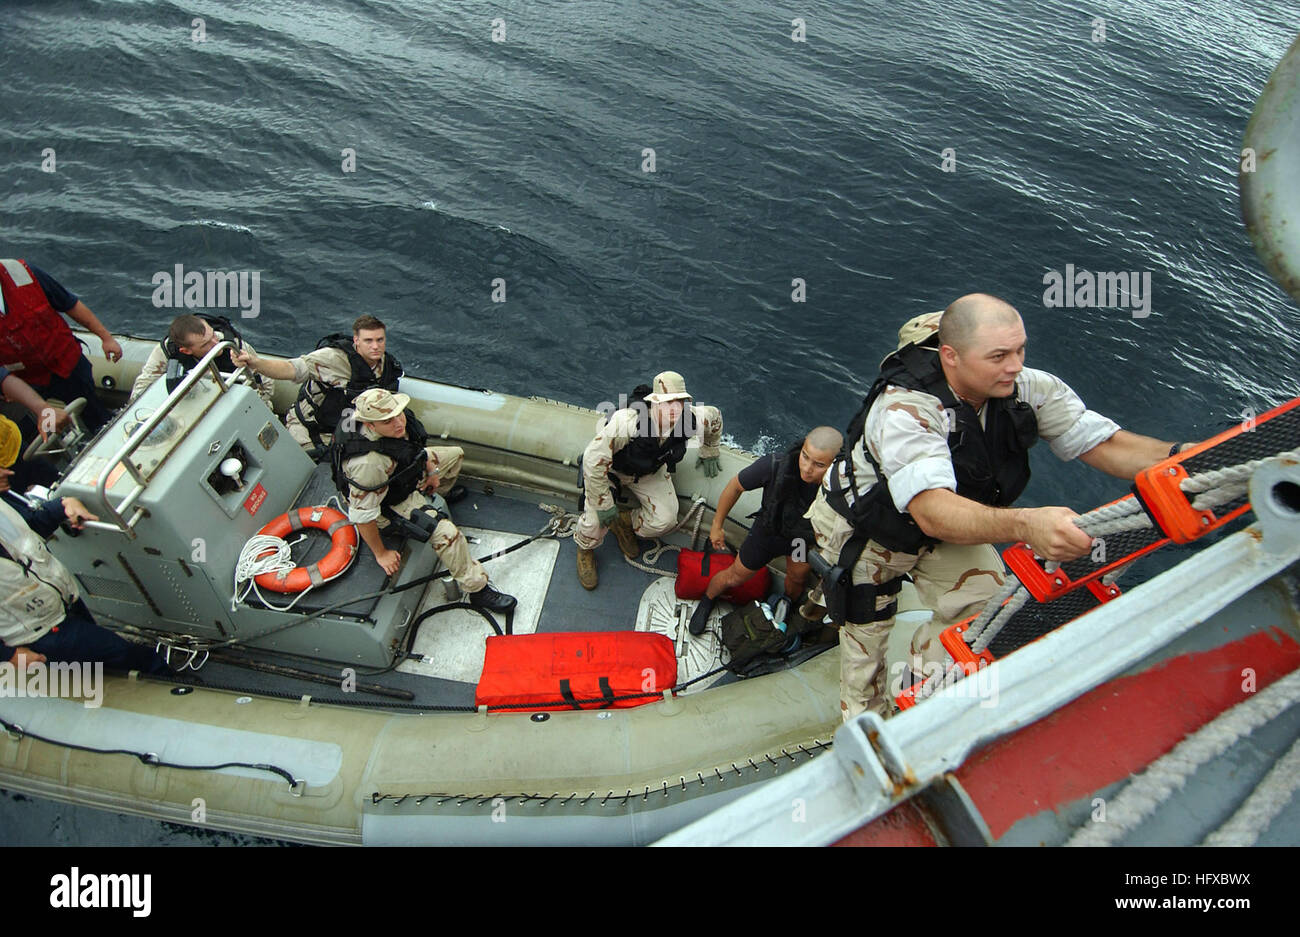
[343,536]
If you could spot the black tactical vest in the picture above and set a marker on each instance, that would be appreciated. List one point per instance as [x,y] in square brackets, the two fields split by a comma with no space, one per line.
[335,400]
[408,453]
[645,452]
[219,324]
[991,462]
[785,499]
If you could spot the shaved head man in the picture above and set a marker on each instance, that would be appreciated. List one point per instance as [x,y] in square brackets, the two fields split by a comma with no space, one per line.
[789,481]
[936,457]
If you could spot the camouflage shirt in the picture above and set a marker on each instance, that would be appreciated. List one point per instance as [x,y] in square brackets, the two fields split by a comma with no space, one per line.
[907,431]
[329,366]
[374,468]
[156,366]
[616,432]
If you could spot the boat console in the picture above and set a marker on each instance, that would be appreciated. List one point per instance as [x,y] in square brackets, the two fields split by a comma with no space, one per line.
[180,481]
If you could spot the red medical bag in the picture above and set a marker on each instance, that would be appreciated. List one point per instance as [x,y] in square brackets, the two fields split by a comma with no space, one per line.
[695,569]
[575,670]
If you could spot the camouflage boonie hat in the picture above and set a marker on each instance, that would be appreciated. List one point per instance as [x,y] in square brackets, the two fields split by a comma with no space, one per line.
[377,404]
[668,385]
[916,330]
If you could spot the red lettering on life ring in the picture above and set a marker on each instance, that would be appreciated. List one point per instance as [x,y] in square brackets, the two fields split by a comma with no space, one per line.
[343,537]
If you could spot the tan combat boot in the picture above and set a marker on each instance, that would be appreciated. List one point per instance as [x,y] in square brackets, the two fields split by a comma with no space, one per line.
[587,569]
[622,529]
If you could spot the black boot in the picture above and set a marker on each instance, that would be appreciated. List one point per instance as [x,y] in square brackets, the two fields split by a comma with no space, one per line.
[457,493]
[700,617]
[491,600]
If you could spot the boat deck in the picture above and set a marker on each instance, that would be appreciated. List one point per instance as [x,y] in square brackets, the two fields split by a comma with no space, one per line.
[444,658]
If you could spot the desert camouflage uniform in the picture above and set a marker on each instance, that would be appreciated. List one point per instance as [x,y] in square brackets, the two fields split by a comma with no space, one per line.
[155,366]
[655,493]
[374,468]
[908,434]
[328,366]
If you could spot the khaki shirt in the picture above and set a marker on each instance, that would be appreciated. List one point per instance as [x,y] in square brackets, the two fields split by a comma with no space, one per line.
[329,366]
[616,432]
[907,432]
[374,468]
[156,366]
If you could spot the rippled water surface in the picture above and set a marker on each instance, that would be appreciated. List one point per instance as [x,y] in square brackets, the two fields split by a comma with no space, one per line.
[774,160]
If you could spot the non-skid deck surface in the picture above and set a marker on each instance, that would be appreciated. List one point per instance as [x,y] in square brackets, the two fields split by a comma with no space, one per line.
[542,575]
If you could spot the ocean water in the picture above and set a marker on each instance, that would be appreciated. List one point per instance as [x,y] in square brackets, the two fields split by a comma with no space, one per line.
[392,158]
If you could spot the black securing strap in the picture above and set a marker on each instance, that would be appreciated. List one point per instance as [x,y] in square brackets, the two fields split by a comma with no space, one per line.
[606,694]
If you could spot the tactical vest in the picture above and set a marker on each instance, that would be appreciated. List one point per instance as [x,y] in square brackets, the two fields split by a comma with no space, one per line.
[35,588]
[327,403]
[991,462]
[408,454]
[645,451]
[31,332]
[219,324]
[784,499]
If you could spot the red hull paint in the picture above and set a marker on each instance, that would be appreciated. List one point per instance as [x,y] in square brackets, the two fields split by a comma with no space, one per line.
[1105,736]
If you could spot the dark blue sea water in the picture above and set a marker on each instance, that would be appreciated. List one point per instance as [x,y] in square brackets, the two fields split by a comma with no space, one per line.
[774,160]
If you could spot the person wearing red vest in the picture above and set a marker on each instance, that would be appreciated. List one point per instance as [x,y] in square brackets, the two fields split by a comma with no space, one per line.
[37,343]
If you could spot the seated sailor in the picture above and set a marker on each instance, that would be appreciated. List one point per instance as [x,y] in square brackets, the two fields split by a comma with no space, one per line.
[331,377]
[789,480]
[383,467]
[635,449]
[189,338]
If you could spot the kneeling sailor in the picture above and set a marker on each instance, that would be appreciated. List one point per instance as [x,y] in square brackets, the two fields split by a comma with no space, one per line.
[383,466]
[636,448]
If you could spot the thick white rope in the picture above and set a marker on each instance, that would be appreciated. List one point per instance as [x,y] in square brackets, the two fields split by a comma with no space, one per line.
[1231,474]
[1215,487]
[989,633]
[250,566]
[562,523]
[651,556]
[1167,774]
[1253,817]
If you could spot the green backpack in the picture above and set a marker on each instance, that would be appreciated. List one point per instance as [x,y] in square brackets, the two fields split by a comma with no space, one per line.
[750,634]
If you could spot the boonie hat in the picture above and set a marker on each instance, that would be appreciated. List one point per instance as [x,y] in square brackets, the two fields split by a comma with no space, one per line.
[377,404]
[916,330]
[668,385]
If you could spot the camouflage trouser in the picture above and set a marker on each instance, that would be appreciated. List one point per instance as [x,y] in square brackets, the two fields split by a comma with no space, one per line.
[448,542]
[449,462]
[656,515]
[952,581]
[450,545]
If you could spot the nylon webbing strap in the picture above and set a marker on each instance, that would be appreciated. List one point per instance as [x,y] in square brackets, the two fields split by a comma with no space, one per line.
[566,693]
[295,522]
[606,692]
